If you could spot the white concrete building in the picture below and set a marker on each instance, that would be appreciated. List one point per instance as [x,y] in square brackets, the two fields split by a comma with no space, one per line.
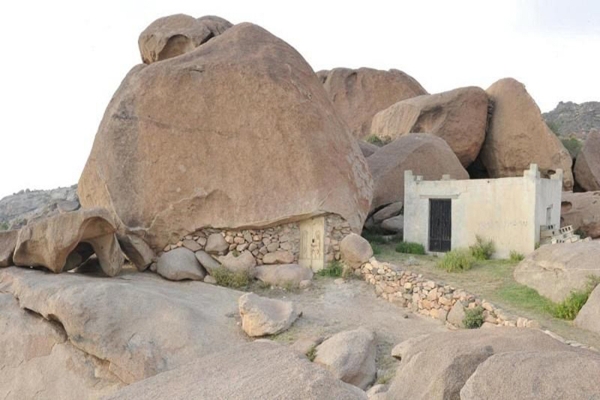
[448,214]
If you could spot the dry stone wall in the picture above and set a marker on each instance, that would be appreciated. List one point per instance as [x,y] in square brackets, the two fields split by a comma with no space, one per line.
[335,230]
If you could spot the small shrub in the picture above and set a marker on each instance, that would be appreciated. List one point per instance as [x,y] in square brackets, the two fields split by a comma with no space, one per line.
[374,237]
[312,354]
[377,141]
[376,248]
[235,280]
[482,249]
[334,269]
[570,307]
[516,256]
[473,318]
[4,226]
[457,260]
[573,145]
[410,248]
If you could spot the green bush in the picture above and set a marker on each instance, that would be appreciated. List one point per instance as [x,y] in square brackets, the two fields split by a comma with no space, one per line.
[482,249]
[4,226]
[554,128]
[410,248]
[457,260]
[516,256]
[376,248]
[473,318]
[334,269]
[570,307]
[377,141]
[226,278]
[373,237]
[312,354]
[573,145]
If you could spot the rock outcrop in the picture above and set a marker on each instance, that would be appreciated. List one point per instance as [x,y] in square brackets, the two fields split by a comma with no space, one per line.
[178,34]
[350,356]
[259,370]
[518,136]
[367,148]
[589,315]
[262,316]
[458,116]
[557,269]
[359,94]
[451,358]
[582,212]
[587,165]
[426,155]
[8,243]
[186,143]
[137,324]
[65,241]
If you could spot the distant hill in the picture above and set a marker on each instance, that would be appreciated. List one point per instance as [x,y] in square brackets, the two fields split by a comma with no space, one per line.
[570,119]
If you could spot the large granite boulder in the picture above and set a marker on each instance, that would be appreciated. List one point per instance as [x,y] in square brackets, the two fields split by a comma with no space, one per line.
[557,269]
[350,356]
[187,142]
[425,154]
[536,375]
[589,315]
[135,325]
[59,243]
[355,250]
[8,243]
[180,264]
[262,316]
[582,212]
[458,116]
[259,370]
[450,358]
[172,36]
[518,136]
[38,361]
[587,165]
[359,94]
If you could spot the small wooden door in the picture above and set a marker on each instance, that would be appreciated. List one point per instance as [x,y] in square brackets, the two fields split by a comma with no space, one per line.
[312,243]
[440,225]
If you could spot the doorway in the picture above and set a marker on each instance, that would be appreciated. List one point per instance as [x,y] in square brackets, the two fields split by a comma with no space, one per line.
[312,244]
[440,225]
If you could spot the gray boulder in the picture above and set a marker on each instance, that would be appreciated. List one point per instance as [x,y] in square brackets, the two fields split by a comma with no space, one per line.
[259,370]
[262,316]
[350,356]
[283,275]
[394,224]
[207,261]
[8,242]
[389,211]
[239,263]
[355,250]
[180,264]
[216,244]
[457,315]
[137,251]
[589,315]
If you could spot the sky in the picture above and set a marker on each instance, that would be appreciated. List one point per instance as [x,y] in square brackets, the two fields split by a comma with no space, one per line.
[62,60]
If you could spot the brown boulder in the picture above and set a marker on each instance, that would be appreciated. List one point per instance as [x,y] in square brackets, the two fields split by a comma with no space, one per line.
[587,165]
[359,94]
[582,211]
[52,241]
[178,34]
[458,116]
[426,155]
[518,136]
[186,143]
[8,242]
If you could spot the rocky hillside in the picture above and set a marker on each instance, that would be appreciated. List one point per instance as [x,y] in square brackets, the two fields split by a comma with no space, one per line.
[17,209]
[572,119]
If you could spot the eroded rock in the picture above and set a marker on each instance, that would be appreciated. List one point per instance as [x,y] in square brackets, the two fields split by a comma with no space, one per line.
[262,316]
[587,165]
[283,275]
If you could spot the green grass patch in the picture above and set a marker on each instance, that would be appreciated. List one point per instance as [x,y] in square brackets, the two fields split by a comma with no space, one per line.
[4,226]
[334,269]
[516,257]
[236,280]
[376,140]
[570,307]
[373,237]
[473,318]
[410,248]
[457,260]
[312,354]
[482,249]
[524,297]
[376,248]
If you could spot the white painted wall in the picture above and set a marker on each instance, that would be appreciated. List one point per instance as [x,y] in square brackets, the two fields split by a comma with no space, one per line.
[507,211]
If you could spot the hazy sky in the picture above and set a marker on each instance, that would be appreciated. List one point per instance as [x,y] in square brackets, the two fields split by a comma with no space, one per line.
[61,61]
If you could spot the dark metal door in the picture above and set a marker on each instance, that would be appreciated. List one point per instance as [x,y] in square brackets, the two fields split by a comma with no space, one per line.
[440,225]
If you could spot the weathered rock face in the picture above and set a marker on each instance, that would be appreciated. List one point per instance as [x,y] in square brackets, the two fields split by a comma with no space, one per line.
[535,374]
[555,270]
[262,316]
[30,205]
[178,34]
[253,371]
[450,358]
[589,315]
[582,211]
[458,116]
[587,165]
[8,242]
[424,154]
[138,324]
[359,94]
[350,356]
[355,250]
[186,143]
[52,241]
[367,148]
[180,264]
[518,136]
[37,360]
